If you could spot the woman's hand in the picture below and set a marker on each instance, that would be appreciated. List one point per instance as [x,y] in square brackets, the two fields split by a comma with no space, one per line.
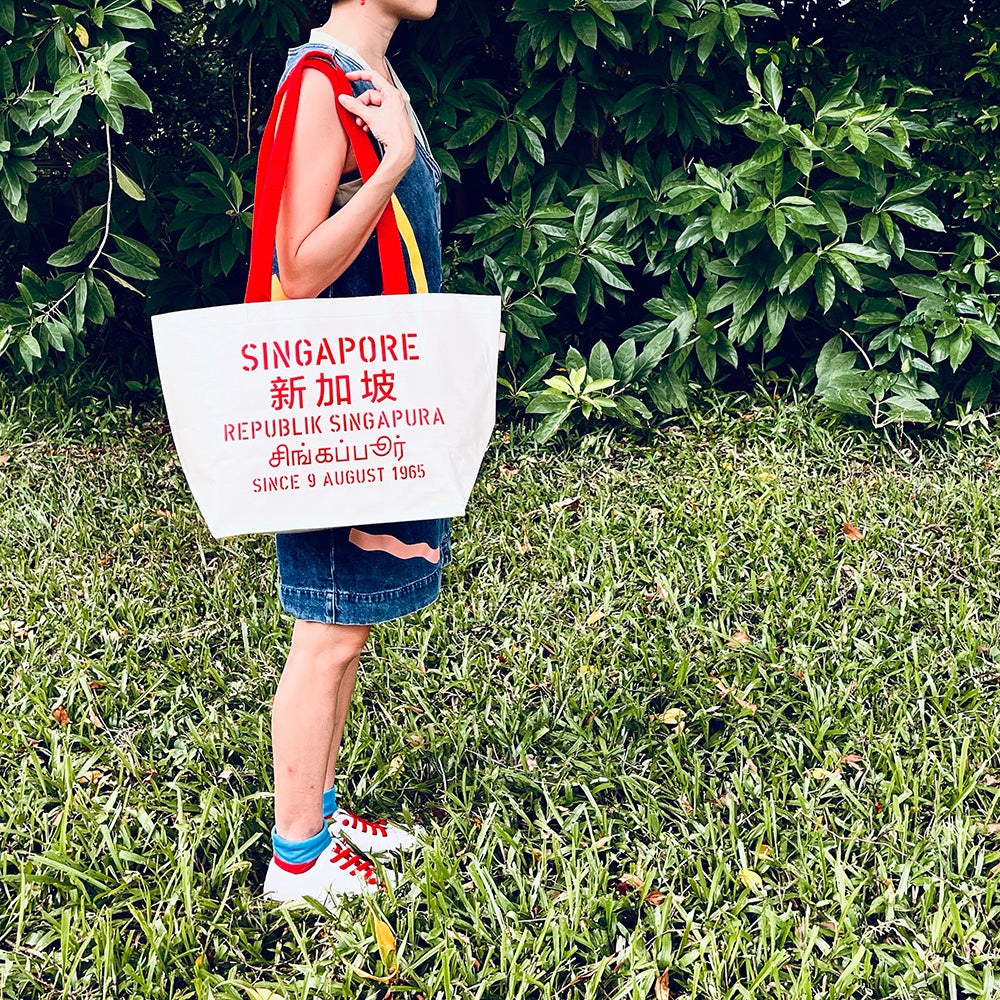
[382,112]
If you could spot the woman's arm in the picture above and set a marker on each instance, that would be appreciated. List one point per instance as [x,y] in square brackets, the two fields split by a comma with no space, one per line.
[314,247]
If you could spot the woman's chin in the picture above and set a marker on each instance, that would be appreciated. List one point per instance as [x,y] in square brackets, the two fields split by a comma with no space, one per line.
[416,10]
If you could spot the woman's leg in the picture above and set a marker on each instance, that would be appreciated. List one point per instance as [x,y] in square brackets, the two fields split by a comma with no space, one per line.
[318,678]
[343,705]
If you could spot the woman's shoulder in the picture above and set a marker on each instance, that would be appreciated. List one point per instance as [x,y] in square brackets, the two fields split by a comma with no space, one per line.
[346,62]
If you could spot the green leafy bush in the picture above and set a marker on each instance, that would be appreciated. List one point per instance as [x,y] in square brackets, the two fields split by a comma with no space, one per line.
[652,186]
[114,208]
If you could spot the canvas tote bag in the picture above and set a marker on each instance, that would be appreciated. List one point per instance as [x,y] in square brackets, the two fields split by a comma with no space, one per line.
[318,413]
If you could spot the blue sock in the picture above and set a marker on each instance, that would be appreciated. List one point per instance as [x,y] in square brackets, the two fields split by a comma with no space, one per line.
[299,855]
[329,801]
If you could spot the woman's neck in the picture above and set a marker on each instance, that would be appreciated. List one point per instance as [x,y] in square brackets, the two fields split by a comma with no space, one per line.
[367,31]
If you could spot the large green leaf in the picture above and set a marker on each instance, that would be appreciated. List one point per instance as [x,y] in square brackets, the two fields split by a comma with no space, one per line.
[826,285]
[776,226]
[918,285]
[917,214]
[801,271]
[600,365]
[772,85]
[624,361]
[840,163]
[862,252]
[839,93]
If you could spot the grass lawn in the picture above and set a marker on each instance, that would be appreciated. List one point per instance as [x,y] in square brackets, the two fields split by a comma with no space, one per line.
[716,703]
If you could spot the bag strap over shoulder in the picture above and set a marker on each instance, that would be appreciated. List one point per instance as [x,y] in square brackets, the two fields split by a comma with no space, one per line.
[272,165]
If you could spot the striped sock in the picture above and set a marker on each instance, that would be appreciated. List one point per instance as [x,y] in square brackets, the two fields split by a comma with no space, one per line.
[329,802]
[297,856]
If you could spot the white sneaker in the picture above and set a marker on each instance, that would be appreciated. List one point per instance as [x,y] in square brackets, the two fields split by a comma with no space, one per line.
[338,871]
[372,836]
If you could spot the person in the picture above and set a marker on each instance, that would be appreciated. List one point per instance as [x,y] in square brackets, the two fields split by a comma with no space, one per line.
[337,583]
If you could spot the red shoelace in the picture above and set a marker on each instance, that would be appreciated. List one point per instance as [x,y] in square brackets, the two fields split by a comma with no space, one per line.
[348,859]
[374,827]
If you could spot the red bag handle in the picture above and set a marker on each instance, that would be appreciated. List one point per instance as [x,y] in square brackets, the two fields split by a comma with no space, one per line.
[272,164]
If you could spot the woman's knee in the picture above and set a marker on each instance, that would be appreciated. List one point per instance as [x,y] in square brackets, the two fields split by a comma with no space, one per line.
[332,646]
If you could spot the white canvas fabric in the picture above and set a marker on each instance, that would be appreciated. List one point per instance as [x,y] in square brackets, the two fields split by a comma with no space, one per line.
[284,421]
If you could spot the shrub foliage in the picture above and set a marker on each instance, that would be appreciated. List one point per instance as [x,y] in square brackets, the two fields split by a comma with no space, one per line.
[664,192]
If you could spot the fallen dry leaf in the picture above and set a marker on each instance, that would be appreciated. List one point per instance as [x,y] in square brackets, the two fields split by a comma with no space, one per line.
[852,533]
[820,773]
[988,827]
[396,765]
[750,706]
[4,459]
[686,804]
[671,716]
[751,879]
[764,851]
[654,897]
[992,780]
[596,616]
[90,777]
[531,762]
[388,980]
[661,988]
[738,639]
[976,944]
[385,940]
[627,883]
[852,759]
[261,993]
[61,716]
[567,503]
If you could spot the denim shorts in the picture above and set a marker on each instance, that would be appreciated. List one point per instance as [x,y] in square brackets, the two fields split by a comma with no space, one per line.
[363,575]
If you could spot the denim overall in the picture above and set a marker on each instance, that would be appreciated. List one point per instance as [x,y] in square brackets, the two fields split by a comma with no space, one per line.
[373,573]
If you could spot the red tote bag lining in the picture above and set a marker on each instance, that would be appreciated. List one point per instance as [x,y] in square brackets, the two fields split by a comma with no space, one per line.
[272,164]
